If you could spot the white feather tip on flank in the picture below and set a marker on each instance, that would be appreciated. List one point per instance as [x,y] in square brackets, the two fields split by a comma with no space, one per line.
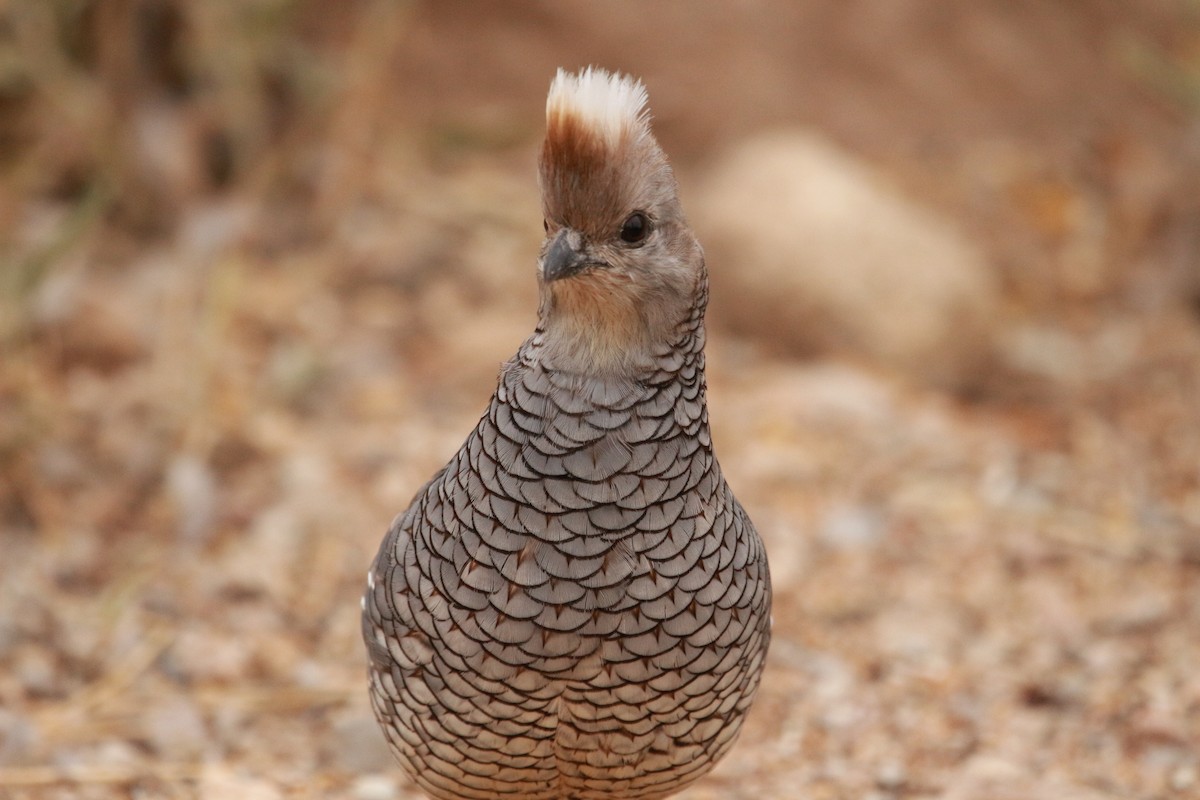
[611,104]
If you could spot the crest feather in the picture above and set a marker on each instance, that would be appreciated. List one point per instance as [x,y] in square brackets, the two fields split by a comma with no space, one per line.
[599,161]
[606,105]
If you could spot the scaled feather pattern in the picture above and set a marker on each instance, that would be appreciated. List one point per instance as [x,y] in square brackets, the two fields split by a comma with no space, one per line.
[577,607]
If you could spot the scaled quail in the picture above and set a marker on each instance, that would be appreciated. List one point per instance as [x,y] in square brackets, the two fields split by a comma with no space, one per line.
[577,607]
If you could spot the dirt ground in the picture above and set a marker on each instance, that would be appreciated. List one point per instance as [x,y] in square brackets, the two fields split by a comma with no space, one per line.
[259,262]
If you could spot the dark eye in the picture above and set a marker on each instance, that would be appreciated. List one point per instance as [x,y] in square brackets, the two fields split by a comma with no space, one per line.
[635,228]
[546,225]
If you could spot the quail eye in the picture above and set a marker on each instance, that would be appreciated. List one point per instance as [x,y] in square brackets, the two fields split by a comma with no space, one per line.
[545,225]
[636,228]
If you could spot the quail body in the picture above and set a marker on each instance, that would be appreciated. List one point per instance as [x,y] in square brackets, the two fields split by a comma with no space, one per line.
[577,607]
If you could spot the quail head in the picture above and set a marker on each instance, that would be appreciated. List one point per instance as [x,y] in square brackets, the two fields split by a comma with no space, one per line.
[576,607]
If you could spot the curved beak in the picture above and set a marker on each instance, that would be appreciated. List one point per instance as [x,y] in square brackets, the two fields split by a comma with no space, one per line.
[564,258]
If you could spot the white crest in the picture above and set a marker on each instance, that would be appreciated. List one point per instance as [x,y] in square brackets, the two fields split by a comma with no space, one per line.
[612,105]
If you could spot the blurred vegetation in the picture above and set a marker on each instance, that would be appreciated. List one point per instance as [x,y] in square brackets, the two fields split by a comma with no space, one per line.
[120,111]
[1173,72]
[78,74]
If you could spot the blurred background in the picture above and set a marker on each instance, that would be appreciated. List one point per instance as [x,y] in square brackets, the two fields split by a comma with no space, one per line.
[261,259]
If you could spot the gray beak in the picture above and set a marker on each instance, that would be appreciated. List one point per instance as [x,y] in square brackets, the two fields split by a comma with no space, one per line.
[562,260]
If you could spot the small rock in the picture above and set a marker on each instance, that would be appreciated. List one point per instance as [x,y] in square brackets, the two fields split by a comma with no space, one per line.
[175,729]
[194,490]
[17,737]
[851,526]
[213,227]
[1046,351]
[995,778]
[358,744]
[220,782]
[891,776]
[1184,777]
[58,296]
[831,392]
[34,667]
[116,753]
[375,787]
[112,755]
[61,465]
[789,552]
[260,561]
[199,654]
[812,250]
